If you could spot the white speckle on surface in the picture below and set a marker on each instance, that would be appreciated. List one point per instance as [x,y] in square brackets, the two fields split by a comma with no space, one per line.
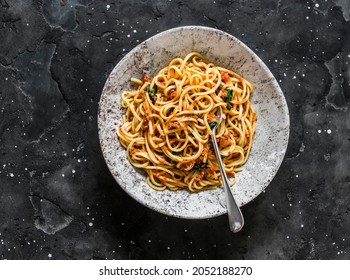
[81,80]
[294,77]
[297,176]
[273,205]
[317,5]
[287,236]
[319,131]
[62,175]
[302,226]
[73,171]
[108,6]
[307,17]
[329,131]
[135,31]
[6,78]
[91,224]
[49,255]
[12,175]
[128,35]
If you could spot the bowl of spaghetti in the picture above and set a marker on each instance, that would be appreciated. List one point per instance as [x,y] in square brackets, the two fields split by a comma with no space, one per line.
[157,109]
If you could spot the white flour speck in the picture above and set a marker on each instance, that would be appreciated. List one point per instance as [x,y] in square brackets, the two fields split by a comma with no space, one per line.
[329,131]
[91,224]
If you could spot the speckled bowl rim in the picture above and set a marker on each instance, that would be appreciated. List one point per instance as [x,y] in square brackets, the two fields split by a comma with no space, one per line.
[286,121]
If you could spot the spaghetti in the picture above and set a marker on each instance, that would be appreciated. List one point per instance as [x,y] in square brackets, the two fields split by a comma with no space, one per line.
[167,124]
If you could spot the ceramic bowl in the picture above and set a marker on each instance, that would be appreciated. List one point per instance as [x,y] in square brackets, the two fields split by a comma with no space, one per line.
[223,49]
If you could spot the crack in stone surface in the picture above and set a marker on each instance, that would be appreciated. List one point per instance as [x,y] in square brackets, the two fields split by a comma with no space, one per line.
[48,215]
[336,97]
[62,14]
[345,7]
[48,105]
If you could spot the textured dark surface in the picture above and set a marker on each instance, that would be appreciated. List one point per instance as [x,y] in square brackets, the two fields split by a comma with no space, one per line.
[57,197]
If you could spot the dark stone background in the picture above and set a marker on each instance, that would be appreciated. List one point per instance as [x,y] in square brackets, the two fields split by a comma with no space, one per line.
[57,197]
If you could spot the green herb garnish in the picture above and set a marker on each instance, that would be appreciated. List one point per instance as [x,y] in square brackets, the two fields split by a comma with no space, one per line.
[228,106]
[229,95]
[213,124]
[222,156]
[179,154]
[151,91]
[196,167]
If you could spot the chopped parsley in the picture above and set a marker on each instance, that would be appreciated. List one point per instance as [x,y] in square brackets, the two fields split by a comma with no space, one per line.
[179,154]
[196,167]
[199,166]
[213,124]
[151,91]
[229,95]
[228,106]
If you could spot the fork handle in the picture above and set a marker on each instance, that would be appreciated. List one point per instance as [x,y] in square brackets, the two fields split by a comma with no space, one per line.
[235,216]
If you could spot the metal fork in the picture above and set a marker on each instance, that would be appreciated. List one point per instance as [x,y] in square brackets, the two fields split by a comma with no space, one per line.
[235,217]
